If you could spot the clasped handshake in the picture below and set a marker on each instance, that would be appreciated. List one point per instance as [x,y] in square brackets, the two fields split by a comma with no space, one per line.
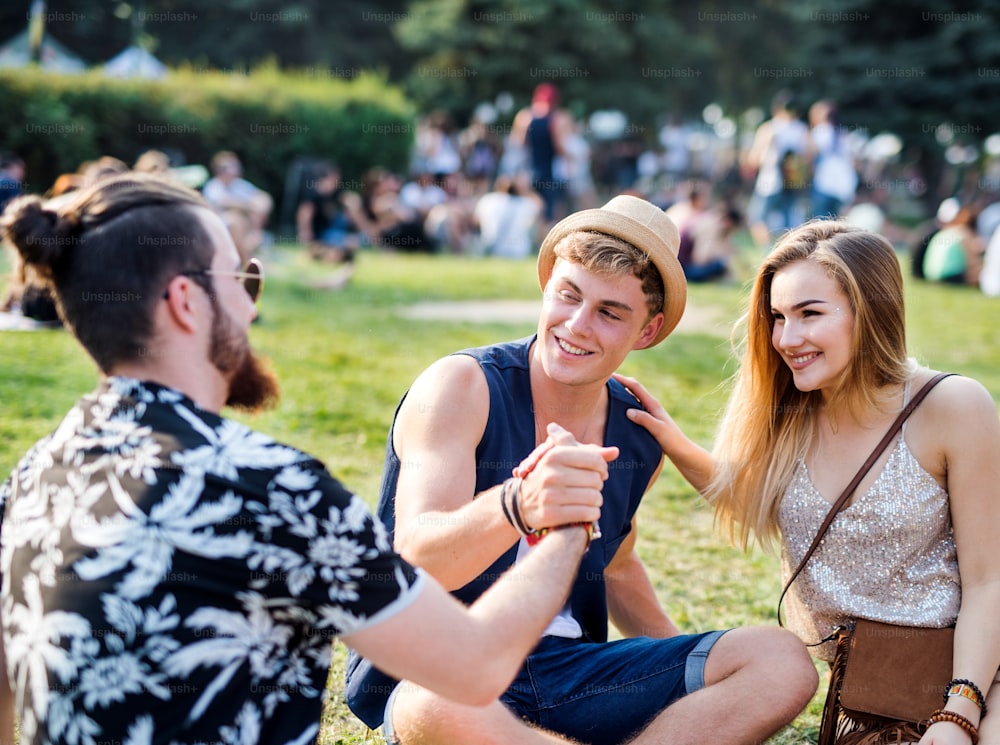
[559,484]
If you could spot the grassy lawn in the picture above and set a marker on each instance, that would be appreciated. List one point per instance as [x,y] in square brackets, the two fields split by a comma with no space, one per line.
[345,358]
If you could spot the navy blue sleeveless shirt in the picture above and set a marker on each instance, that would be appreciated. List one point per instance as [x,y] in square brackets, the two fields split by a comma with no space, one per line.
[509,437]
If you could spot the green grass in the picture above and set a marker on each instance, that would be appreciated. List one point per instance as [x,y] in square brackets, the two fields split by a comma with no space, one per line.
[345,358]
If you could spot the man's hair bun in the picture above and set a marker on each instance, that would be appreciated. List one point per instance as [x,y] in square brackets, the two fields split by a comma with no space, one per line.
[41,235]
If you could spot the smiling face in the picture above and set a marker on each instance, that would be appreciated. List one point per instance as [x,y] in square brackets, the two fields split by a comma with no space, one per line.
[813,325]
[590,322]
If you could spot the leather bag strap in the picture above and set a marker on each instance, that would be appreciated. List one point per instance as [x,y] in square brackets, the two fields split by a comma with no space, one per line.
[865,468]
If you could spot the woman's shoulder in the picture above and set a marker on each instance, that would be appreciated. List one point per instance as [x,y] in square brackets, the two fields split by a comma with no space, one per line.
[956,399]
[956,420]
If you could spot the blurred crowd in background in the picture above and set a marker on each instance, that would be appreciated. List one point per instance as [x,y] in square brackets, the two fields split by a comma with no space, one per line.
[493,188]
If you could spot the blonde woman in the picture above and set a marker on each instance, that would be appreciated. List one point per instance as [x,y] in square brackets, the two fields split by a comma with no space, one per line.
[824,373]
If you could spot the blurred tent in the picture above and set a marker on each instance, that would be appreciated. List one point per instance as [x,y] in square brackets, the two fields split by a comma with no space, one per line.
[135,62]
[16,52]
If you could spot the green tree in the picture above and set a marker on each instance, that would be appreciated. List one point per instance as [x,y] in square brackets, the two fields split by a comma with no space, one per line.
[600,56]
[337,39]
[929,74]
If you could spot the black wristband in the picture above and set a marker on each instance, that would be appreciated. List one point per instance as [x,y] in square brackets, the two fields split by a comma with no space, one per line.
[515,492]
[503,503]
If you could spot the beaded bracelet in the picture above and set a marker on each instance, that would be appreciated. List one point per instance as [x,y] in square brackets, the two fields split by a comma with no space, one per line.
[940,715]
[968,689]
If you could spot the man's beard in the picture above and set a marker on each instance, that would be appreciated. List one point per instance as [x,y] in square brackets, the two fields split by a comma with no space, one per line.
[253,385]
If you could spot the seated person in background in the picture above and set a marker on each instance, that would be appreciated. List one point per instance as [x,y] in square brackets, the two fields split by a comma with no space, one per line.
[325,222]
[918,249]
[448,225]
[326,218]
[689,208]
[244,208]
[438,211]
[988,219]
[707,250]
[389,222]
[422,193]
[955,252]
[869,211]
[509,217]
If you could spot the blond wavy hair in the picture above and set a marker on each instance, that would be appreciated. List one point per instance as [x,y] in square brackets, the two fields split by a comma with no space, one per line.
[768,423]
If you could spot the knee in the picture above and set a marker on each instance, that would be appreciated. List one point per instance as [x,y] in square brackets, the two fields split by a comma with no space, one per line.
[411,710]
[775,659]
[789,666]
[420,717]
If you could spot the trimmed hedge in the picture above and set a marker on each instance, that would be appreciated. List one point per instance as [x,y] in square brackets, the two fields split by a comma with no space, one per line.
[269,118]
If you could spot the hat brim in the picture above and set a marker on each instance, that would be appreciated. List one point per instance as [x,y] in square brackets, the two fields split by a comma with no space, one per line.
[639,235]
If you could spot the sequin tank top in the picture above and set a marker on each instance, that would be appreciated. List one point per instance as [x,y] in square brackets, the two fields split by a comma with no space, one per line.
[888,556]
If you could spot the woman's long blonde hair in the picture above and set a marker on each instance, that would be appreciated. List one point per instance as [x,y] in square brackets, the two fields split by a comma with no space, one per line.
[768,423]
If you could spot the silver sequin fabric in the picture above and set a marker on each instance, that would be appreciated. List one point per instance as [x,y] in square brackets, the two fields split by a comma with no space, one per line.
[888,556]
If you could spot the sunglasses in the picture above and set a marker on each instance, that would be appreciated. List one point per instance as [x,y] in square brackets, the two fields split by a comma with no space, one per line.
[252,277]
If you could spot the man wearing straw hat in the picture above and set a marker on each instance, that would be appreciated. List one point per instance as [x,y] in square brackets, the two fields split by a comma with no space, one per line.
[463,506]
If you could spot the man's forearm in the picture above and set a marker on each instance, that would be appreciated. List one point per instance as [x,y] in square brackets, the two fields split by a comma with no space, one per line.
[523,601]
[456,547]
[471,654]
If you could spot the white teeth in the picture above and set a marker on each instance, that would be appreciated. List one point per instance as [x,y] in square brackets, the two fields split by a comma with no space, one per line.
[803,358]
[571,349]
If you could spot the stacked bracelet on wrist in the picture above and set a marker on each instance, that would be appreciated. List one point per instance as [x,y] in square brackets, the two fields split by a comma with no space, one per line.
[940,715]
[503,503]
[966,689]
[512,489]
[509,494]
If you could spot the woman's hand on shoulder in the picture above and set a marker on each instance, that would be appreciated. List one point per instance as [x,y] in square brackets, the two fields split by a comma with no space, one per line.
[692,460]
[654,417]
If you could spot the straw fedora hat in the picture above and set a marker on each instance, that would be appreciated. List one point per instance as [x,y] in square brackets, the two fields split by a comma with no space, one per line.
[646,227]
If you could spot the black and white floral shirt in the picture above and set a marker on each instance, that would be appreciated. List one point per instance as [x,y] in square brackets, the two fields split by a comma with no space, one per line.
[171,576]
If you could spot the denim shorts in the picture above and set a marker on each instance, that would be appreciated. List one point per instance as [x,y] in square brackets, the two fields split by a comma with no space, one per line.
[602,694]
